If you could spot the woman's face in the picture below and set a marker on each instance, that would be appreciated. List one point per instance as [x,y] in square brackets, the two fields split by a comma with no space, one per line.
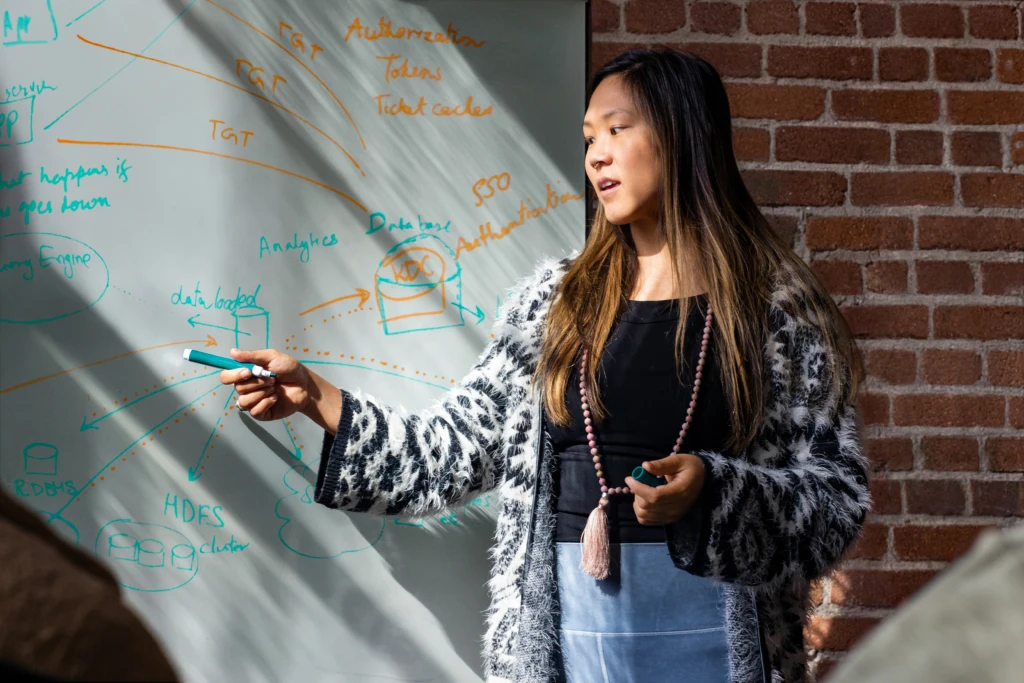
[621,161]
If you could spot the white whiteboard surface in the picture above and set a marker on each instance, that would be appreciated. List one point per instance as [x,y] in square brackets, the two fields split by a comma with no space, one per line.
[309,175]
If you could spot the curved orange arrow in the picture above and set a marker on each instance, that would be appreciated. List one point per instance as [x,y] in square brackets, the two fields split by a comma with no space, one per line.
[209,341]
[362,294]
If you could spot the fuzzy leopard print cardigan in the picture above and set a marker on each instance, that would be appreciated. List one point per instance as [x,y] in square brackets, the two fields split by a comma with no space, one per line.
[773,519]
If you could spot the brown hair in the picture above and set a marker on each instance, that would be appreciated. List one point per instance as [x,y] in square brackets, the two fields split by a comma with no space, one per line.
[708,215]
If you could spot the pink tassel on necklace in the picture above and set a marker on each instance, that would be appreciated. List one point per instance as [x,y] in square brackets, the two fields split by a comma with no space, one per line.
[595,560]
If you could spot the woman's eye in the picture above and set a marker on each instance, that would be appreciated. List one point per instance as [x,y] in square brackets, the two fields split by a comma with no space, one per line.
[615,128]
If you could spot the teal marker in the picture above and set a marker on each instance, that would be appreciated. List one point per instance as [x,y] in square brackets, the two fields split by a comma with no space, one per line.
[645,477]
[225,363]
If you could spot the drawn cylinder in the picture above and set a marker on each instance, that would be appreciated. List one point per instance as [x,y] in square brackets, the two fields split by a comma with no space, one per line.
[123,547]
[183,557]
[151,553]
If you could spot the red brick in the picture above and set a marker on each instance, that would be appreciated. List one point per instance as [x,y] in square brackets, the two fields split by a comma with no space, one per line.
[830,18]
[832,145]
[902,189]
[940,410]
[950,366]
[1016,409]
[902,63]
[932,21]
[1017,149]
[772,17]
[872,544]
[859,232]
[886,277]
[731,60]
[919,147]
[979,322]
[977,149]
[750,144]
[891,454]
[950,453]
[898,322]
[944,543]
[873,408]
[981,107]
[981,233]
[654,16]
[714,17]
[880,588]
[833,63]
[1005,454]
[784,226]
[935,497]
[877,21]
[838,277]
[885,497]
[604,16]
[602,53]
[944,277]
[795,188]
[886,106]
[836,633]
[892,366]
[780,102]
[993,189]
[998,498]
[957,64]
[1006,368]
[1010,65]
[1006,279]
[993,22]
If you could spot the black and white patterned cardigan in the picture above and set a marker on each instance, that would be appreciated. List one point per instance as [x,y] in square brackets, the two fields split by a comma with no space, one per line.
[773,519]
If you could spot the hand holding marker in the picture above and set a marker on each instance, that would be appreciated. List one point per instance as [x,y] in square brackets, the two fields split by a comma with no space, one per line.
[270,385]
[223,363]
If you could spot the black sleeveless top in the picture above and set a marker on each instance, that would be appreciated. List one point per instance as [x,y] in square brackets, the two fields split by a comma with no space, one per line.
[647,405]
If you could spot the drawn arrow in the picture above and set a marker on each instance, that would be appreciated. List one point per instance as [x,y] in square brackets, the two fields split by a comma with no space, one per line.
[479,312]
[84,488]
[93,425]
[193,323]
[193,472]
[363,295]
[209,341]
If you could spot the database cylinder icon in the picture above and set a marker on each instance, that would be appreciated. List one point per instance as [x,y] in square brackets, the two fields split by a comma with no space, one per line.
[418,286]
[40,458]
[123,547]
[183,557]
[151,553]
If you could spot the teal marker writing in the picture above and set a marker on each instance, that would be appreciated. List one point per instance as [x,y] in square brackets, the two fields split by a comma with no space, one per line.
[225,363]
[645,477]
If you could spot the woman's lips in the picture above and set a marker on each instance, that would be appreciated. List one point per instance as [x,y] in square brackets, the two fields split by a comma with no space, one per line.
[608,190]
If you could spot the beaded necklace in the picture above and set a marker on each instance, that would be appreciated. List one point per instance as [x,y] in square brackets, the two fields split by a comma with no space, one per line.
[595,560]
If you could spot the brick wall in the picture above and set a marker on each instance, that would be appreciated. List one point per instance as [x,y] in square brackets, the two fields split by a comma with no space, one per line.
[886,140]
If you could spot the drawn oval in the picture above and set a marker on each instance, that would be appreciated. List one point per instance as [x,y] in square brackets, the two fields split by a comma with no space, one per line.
[45,276]
[150,558]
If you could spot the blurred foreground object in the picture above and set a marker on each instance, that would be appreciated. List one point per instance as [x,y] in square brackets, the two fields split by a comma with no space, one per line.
[61,614]
[967,625]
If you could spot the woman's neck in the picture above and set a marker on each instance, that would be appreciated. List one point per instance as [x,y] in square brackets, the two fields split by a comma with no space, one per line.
[655,281]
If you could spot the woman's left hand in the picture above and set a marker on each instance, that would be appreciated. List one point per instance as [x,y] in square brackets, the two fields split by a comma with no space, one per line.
[666,504]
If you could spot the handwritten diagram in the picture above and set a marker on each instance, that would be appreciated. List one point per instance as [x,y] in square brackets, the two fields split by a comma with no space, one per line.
[356,186]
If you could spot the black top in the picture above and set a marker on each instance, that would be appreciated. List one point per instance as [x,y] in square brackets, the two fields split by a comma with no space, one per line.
[647,405]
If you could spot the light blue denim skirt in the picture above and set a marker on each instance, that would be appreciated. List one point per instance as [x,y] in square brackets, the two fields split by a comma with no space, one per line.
[648,622]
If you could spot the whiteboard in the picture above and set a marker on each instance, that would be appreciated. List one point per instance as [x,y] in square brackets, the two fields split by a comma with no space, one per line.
[357,183]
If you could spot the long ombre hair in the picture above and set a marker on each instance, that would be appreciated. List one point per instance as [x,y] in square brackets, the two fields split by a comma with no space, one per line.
[707,213]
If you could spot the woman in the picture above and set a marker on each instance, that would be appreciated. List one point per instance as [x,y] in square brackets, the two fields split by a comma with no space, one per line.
[684,321]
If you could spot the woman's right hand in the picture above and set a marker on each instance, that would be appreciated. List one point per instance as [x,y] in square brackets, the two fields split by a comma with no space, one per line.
[269,398]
